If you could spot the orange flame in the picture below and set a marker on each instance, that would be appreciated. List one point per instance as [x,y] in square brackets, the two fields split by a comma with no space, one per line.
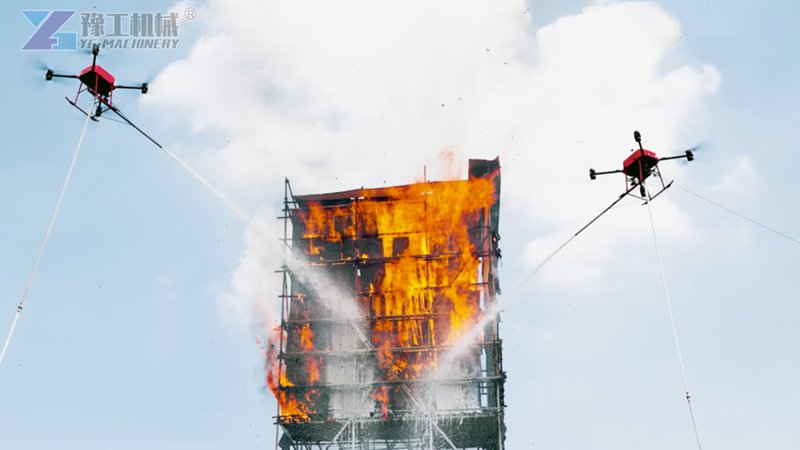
[306,337]
[426,239]
[381,395]
[296,405]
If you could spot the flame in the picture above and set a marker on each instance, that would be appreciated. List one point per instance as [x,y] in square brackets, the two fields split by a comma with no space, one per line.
[381,396]
[290,406]
[425,238]
[296,405]
[306,337]
[313,370]
[434,272]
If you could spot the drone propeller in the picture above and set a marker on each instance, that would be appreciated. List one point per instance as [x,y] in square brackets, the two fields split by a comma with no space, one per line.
[37,72]
[701,147]
[690,152]
[94,50]
[39,65]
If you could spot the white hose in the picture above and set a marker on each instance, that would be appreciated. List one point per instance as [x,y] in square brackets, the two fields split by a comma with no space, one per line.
[672,322]
[43,245]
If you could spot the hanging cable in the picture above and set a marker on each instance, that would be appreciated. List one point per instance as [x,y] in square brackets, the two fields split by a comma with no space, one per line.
[672,322]
[742,216]
[46,238]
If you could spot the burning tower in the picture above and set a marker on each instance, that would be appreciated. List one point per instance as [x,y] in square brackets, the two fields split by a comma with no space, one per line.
[386,338]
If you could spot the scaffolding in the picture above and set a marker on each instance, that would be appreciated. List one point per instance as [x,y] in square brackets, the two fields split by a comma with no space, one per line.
[365,361]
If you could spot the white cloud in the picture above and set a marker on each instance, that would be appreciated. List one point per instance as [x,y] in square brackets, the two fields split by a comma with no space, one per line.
[740,178]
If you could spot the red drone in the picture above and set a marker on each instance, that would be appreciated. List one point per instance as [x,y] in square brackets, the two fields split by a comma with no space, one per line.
[101,85]
[640,165]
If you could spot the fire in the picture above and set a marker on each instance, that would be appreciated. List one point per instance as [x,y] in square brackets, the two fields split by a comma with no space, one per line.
[307,337]
[381,396]
[313,370]
[290,405]
[434,272]
[295,404]
[419,248]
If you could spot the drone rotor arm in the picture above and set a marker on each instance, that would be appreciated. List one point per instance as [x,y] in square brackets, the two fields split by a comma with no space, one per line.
[142,87]
[49,75]
[593,173]
[689,156]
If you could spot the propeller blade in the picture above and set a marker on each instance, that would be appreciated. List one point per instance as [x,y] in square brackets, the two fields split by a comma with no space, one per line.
[36,65]
[690,152]
[703,146]
[43,76]
[39,65]
[90,50]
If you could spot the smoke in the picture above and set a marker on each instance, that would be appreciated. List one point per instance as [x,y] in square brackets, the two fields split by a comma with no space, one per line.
[342,95]
[336,95]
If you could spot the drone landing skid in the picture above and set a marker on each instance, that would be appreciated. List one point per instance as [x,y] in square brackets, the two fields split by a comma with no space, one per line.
[654,174]
[91,116]
[644,195]
[661,191]
[115,110]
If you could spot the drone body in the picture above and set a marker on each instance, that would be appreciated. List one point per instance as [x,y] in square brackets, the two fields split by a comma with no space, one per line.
[640,164]
[97,80]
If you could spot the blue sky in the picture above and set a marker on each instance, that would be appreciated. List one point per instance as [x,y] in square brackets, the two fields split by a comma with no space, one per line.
[141,327]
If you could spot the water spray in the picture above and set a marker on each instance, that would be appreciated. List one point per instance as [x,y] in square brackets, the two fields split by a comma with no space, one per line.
[466,339]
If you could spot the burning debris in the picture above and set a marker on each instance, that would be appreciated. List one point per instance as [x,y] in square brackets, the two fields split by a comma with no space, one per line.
[390,279]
